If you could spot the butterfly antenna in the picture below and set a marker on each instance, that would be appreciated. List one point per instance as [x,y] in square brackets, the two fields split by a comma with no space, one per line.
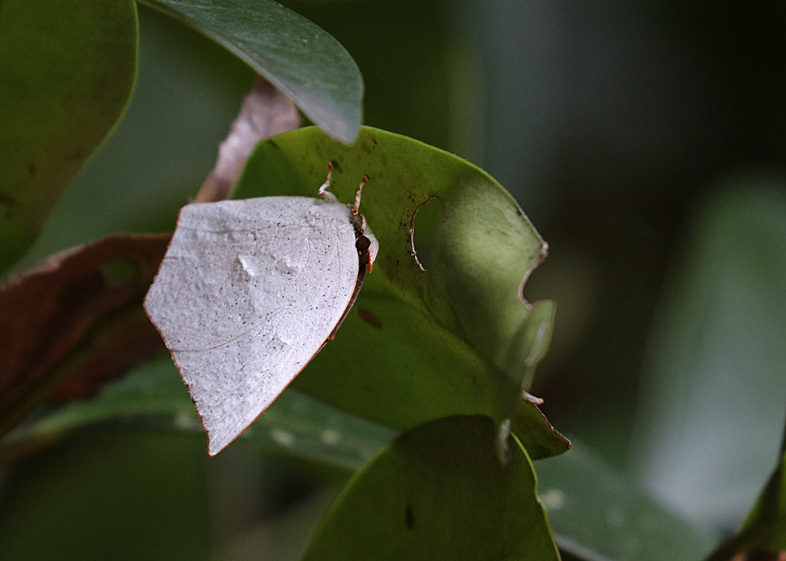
[323,189]
[356,206]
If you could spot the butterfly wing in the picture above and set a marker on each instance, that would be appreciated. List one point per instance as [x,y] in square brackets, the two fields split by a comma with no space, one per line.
[247,294]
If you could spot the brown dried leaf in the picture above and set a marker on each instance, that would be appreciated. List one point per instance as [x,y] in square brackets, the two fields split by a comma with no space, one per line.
[265,112]
[74,321]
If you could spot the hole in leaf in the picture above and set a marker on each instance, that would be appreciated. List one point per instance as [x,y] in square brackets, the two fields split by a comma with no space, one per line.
[423,230]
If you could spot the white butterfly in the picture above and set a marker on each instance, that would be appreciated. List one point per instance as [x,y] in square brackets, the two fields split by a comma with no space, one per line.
[250,291]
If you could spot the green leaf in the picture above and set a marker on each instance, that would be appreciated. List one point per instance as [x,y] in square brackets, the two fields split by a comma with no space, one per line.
[439,492]
[598,514]
[154,397]
[420,345]
[536,433]
[296,56]
[67,69]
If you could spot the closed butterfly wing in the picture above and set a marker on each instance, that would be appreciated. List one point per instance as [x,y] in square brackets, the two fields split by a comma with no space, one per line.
[248,293]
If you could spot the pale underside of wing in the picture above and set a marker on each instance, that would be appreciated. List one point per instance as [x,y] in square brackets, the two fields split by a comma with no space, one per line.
[247,294]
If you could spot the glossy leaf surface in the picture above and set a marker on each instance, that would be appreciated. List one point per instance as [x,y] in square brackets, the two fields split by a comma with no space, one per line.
[420,344]
[299,58]
[439,492]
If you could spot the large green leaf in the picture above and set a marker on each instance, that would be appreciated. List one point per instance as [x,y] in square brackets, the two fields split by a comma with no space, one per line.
[299,58]
[67,69]
[420,345]
[154,397]
[439,492]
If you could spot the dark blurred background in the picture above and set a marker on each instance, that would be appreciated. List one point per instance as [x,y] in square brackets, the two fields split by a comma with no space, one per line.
[645,140]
